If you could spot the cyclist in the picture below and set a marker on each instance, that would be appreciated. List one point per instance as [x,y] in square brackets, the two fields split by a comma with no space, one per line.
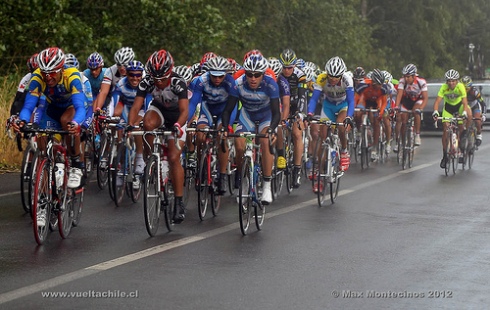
[337,87]
[412,96]
[20,95]
[374,93]
[455,103]
[121,102]
[95,72]
[212,90]
[259,95]
[65,103]
[169,108]
[298,88]
[477,105]
[112,75]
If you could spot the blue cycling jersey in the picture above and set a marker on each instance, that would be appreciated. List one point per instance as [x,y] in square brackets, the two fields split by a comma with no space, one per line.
[95,82]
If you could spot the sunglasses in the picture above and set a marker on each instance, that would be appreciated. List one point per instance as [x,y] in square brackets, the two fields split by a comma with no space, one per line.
[407,76]
[50,74]
[288,67]
[335,76]
[217,76]
[255,75]
[135,74]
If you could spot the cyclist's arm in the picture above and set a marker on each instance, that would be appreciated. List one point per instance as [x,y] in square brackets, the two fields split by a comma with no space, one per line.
[137,104]
[104,91]
[313,100]
[398,101]
[425,99]
[230,105]
[276,113]
[286,103]
[350,101]
[436,103]
[184,111]
[18,103]
[195,100]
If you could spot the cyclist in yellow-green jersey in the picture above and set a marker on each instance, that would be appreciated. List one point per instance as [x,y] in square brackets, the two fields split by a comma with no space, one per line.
[455,102]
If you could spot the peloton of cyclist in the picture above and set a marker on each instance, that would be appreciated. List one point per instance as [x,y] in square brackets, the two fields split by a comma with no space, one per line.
[412,96]
[477,105]
[455,103]
[169,108]
[259,95]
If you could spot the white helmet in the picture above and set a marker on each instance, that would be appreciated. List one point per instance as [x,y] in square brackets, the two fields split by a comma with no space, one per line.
[185,72]
[335,66]
[452,75]
[124,55]
[51,59]
[256,63]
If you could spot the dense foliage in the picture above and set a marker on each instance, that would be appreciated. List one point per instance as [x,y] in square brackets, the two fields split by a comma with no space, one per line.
[388,34]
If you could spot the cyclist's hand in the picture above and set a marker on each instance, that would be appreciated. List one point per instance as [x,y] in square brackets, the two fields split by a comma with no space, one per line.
[435,115]
[129,128]
[17,125]
[74,128]
[348,122]
[223,132]
[192,124]
[178,129]
[483,118]
[464,114]
[309,117]
[299,116]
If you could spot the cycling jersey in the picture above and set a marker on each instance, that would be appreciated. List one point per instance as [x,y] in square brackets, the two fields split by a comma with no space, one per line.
[336,94]
[68,92]
[474,97]
[413,91]
[297,86]
[166,100]
[284,89]
[124,93]
[112,76]
[452,96]
[95,82]
[20,95]
[371,97]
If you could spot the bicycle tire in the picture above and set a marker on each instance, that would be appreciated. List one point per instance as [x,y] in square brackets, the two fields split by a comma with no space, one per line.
[89,159]
[288,154]
[42,201]
[471,148]
[25,178]
[245,202]
[335,182]
[189,181]
[322,175]
[103,162]
[119,173]
[78,206]
[168,195]
[231,167]
[314,164]
[448,153]
[213,187]
[65,212]
[152,198]
[111,166]
[203,193]
[259,214]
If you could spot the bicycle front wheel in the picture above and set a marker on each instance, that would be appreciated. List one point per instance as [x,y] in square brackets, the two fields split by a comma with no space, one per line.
[119,174]
[203,193]
[41,205]
[65,213]
[245,202]
[152,198]
[25,178]
[78,206]
[322,176]
[335,180]
[103,161]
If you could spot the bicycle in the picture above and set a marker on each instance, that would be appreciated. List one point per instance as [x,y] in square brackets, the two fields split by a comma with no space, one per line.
[452,147]
[328,171]
[157,187]
[103,140]
[208,173]
[251,181]
[469,145]
[54,204]
[365,143]
[406,146]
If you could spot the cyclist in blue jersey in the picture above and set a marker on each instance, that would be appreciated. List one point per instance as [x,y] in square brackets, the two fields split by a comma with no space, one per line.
[65,103]
[112,75]
[212,90]
[259,95]
[122,102]
[95,72]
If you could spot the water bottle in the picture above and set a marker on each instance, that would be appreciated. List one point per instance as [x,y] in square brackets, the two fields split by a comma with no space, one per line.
[97,141]
[165,168]
[333,154]
[59,174]
[455,140]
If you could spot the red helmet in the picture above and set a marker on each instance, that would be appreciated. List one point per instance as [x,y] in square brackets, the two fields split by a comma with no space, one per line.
[32,63]
[160,64]
[250,53]
[51,59]
[207,57]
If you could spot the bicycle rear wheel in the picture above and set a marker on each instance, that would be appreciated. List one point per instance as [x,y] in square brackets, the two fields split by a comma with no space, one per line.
[42,202]
[168,203]
[259,214]
[471,148]
[322,192]
[231,167]
[89,158]
[103,161]
[335,180]
[152,198]
[65,213]
[288,154]
[245,203]
[119,174]
[203,193]
[25,178]
[78,206]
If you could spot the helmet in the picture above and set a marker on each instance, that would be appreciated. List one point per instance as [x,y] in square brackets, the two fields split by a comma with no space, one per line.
[233,65]
[160,64]
[452,74]
[124,55]
[359,73]
[71,61]
[467,81]
[309,73]
[256,63]
[185,72]
[135,65]
[218,65]
[207,56]
[250,53]
[409,69]
[51,59]
[95,61]
[388,76]
[288,57]
[311,65]
[32,63]
[335,66]
[275,65]
[378,77]
[196,68]
[300,63]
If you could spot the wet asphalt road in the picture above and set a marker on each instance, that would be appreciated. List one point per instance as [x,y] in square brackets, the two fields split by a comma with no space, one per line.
[393,240]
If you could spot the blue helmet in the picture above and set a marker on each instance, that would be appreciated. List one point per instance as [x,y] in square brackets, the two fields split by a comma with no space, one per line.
[135,65]
[95,61]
